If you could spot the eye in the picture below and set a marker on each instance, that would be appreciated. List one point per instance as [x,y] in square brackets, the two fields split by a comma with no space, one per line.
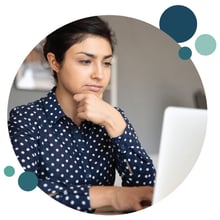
[107,64]
[85,62]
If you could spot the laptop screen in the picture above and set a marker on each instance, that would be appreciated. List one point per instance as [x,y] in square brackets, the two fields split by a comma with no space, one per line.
[182,136]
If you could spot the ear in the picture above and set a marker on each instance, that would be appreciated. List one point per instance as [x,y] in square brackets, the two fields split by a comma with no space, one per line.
[54,65]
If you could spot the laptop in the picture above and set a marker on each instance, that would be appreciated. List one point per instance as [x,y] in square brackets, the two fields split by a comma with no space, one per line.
[182,136]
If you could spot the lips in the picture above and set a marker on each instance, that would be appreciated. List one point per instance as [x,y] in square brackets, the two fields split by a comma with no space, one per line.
[94,88]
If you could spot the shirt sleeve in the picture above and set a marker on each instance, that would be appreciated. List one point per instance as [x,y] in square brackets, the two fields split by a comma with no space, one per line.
[24,139]
[133,163]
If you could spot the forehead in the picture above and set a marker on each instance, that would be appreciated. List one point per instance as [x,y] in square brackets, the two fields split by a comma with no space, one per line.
[92,44]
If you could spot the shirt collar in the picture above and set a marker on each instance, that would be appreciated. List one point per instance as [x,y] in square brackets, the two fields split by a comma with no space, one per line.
[52,107]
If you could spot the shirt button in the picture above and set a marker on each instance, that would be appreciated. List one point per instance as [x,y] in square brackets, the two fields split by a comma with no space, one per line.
[88,176]
[122,149]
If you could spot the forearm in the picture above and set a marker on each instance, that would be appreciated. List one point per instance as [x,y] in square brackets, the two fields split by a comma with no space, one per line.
[74,196]
[120,198]
[101,196]
[133,163]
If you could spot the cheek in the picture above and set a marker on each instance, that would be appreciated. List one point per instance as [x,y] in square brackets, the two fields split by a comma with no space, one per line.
[72,79]
[68,73]
[108,77]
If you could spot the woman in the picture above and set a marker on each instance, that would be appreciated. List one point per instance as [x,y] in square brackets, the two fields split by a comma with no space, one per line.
[72,139]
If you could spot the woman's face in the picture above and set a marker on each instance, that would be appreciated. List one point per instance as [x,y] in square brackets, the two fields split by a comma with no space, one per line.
[86,67]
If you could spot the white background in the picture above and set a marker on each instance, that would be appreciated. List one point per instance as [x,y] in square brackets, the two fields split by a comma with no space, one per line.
[24,23]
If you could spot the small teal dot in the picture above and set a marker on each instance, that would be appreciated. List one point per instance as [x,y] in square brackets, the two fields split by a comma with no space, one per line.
[28,181]
[9,171]
[205,44]
[185,53]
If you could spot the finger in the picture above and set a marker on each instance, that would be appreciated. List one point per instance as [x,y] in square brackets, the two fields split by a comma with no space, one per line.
[81,108]
[137,206]
[79,97]
[81,116]
[84,116]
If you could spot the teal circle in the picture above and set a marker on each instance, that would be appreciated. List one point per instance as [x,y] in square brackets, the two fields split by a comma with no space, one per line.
[205,44]
[185,53]
[28,181]
[179,22]
[9,171]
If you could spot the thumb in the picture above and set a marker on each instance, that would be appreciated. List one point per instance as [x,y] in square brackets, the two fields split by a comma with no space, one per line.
[78,97]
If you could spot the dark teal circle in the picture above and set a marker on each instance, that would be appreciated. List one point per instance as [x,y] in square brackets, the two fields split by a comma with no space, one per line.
[179,22]
[185,53]
[9,171]
[28,181]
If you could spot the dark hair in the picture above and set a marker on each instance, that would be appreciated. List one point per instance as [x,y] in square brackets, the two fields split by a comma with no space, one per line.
[59,41]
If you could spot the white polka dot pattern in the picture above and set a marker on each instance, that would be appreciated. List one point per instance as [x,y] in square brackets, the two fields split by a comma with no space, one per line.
[69,159]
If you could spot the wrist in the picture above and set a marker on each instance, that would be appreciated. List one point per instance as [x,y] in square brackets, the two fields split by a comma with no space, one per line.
[115,124]
[101,196]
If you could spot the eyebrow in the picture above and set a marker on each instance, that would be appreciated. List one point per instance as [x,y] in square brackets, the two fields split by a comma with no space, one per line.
[94,56]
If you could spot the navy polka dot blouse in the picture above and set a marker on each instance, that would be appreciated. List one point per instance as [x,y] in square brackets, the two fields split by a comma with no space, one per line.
[68,159]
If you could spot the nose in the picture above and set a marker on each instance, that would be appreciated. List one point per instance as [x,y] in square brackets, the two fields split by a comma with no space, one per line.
[98,71]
